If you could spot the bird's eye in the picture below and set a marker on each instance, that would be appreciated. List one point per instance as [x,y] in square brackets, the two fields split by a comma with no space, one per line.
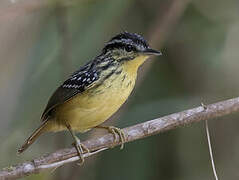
[129,48]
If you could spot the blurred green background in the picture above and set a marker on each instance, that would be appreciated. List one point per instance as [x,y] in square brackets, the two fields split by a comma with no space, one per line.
[44,41]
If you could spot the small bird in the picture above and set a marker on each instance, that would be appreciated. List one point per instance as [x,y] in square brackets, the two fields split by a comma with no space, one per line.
[96,91]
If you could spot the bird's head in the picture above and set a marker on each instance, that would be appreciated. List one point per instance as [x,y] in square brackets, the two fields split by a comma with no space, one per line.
[128,46]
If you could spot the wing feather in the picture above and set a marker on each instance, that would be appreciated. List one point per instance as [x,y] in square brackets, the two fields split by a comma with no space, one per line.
[78,82]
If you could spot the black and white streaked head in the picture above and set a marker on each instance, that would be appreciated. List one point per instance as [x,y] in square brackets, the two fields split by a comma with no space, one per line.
[128,46]
[123,47]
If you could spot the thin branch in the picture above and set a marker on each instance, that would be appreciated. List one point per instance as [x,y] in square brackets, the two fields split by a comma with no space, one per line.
[160,31]
[132,133]
[210,151]
[162,28]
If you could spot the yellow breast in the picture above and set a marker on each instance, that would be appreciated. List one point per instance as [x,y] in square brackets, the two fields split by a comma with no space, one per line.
[97,104]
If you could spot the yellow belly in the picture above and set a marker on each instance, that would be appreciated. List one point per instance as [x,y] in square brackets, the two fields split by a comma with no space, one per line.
[96,105]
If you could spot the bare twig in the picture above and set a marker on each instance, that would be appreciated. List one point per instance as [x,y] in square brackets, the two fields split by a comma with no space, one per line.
[210,151]
[162,28]
[132,133]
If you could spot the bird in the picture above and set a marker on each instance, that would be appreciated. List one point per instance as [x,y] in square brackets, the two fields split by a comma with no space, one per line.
[92,94]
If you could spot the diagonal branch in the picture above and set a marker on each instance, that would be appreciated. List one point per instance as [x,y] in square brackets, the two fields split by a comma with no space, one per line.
[133,133]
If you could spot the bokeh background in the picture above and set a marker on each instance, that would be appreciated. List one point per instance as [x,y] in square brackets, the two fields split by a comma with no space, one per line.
[44,41]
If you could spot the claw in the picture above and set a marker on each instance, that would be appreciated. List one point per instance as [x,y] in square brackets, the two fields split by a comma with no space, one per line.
[78,145]
[81,149]
[204,106]
[114,130]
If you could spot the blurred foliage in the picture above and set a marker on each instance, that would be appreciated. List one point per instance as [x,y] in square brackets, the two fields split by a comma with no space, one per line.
[43,41]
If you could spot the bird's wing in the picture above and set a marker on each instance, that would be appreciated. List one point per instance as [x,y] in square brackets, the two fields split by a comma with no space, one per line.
[81,80]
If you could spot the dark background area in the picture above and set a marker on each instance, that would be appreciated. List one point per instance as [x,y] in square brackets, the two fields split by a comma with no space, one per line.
[43,41]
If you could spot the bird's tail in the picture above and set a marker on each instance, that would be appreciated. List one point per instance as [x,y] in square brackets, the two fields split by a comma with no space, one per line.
[33,136]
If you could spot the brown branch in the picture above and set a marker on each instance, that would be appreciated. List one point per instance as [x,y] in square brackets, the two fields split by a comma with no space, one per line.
[133,133]
[164,25]
[162,28]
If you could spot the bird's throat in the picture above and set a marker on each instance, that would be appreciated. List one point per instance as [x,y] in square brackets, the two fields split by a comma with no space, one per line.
[132,66]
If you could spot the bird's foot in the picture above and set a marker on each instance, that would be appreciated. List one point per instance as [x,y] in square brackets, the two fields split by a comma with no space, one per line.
[116,131]
[81,149]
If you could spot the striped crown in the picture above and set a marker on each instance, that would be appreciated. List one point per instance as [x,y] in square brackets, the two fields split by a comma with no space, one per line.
[127,41]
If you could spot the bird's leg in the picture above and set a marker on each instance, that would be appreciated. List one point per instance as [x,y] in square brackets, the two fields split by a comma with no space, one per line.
[115,131]
[80,148]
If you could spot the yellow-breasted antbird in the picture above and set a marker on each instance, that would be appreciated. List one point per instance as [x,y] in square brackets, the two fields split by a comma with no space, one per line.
[96,91]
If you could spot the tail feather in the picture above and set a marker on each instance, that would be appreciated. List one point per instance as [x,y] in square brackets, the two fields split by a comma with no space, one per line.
[33,137]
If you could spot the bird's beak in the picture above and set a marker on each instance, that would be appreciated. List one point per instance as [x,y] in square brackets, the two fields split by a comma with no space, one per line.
[151,52]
